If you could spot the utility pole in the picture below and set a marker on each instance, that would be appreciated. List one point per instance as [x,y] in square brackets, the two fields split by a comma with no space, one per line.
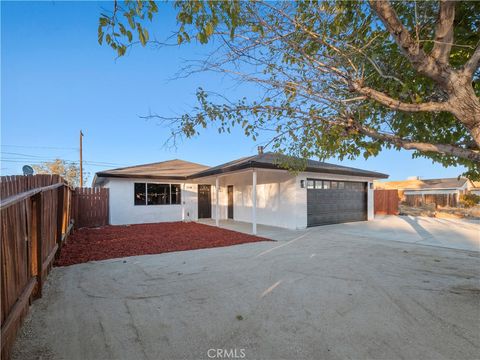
[81,160]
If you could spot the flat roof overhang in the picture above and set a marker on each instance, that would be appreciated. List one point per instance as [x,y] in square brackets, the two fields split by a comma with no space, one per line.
[258,165]
[137,176]
[243,166]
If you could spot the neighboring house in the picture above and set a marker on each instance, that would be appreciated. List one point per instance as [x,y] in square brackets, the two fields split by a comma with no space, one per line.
[474,187]
[252,189]
[443,192]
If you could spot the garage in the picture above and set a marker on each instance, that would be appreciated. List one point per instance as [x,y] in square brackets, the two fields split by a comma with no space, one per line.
[333,202]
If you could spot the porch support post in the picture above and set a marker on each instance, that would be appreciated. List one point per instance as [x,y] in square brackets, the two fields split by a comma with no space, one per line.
[182,199]
[254,202]
[217,210]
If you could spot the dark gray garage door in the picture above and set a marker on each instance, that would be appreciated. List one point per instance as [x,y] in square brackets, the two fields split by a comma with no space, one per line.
[333,202]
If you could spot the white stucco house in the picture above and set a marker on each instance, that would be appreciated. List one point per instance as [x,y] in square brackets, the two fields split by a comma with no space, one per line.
[252,189]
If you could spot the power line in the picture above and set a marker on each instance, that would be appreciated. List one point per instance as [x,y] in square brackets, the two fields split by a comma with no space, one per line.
[37,162]
[21,156]
[41,147]
[12,153]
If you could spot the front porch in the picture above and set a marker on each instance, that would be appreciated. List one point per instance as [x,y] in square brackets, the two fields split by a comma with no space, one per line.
[265,231]
[242,199]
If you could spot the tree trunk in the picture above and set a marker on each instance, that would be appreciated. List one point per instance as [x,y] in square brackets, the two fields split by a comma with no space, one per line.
[465,105]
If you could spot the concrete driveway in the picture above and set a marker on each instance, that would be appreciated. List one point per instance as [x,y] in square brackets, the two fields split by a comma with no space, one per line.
[450,233]
[317,294]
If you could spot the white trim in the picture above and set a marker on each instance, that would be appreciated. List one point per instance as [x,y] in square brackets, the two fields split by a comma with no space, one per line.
[254,202]
[431,192]
[210,178]
[370,201]
[217,212]
[429,189]
[182,200]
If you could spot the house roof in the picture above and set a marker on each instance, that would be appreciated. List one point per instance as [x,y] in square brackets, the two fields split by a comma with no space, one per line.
[475,184]
[423,184]
[183,170]
[172,169]
[271,160]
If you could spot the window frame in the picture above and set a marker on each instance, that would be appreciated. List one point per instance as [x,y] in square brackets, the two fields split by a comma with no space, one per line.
[179,194]
[339,185]
[146,183]
[135,193]
[310,184]
[168,197]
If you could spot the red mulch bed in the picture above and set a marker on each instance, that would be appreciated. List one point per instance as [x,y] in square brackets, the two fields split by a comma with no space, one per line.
[110,242]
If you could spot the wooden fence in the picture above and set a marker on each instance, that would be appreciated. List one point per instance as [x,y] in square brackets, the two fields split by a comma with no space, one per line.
[437,199]
[91,207]
[36,218]
[386,202]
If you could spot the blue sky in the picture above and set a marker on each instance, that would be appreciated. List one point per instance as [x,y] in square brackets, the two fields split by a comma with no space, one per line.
[56,80]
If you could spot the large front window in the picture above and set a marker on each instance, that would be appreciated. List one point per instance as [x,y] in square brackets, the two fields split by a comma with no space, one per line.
[157,194]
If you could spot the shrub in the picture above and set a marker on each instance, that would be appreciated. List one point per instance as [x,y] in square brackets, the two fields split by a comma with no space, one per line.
[469,200]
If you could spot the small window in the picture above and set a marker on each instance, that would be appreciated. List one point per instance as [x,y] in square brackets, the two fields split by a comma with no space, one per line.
[355,186]
[140,195]
[310,184]
[326,184]
[318,184]
[176,194]
[158,194]
[341,185]
[334,184]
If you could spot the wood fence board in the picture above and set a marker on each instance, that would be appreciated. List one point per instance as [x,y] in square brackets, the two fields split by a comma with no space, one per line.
[31,209]
[91,207]
[437,199]
[386,202]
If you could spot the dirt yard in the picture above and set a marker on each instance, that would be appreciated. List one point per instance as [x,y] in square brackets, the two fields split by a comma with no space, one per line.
[441,212]
[110,242]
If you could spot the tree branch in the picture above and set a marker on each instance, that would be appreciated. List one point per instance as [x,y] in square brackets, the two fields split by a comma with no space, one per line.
[444,32]
[473,63]
[397,104]
[445,149]
[421,62]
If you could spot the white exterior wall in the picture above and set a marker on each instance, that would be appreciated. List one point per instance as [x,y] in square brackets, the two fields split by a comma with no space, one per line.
[371,201]
[276,197]
[122,209]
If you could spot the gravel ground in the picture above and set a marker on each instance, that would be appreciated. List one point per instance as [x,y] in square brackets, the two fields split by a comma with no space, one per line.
[111,242]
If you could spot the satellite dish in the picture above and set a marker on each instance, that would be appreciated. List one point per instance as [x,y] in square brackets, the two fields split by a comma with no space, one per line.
[27,170]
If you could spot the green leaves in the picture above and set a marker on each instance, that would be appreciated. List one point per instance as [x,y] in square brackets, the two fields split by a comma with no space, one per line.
[116,30]
[303,57]
[142,34]
[290,90]
[100,35]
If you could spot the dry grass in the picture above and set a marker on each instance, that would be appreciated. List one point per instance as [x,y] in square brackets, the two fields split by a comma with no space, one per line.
[440,212]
